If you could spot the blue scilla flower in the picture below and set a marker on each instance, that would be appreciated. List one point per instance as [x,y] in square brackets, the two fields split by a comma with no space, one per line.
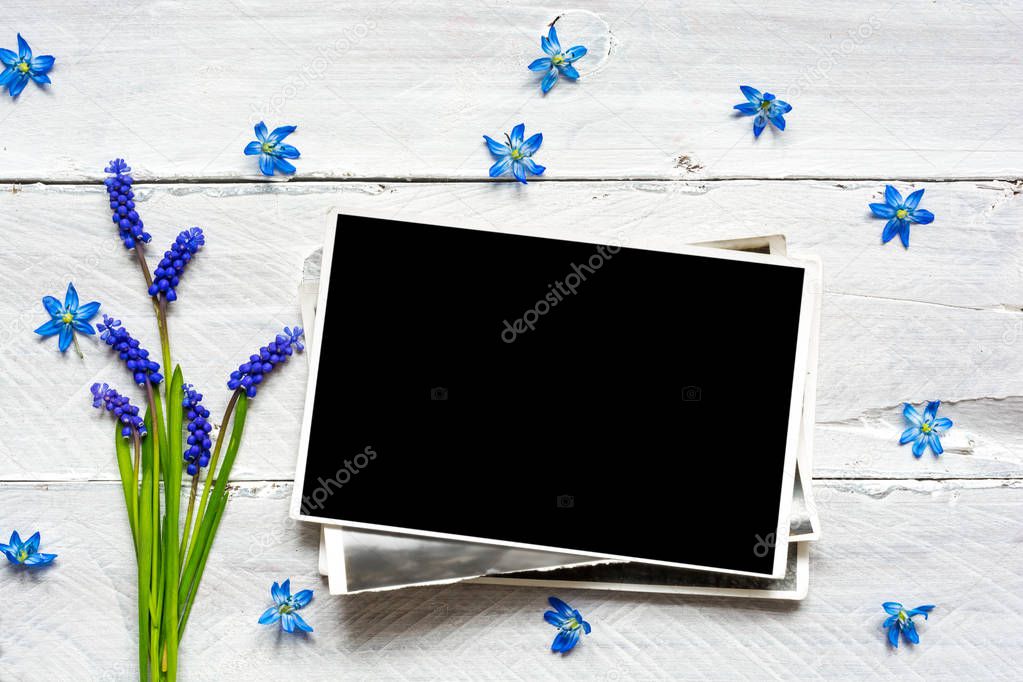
[168,273]
[516,155]
[25,553]
[286,606]
[122,203]
[569,623]
[67,319]
[136,358]
[250,375]
[766,107]
[273,153]
[105,397]
[20,68]
[198,452]
[926,430]
[900,213]
[556,62]
[901,620]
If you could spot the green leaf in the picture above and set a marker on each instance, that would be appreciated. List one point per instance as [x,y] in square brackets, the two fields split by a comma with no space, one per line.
[145,553]
[172,492]
[129,481]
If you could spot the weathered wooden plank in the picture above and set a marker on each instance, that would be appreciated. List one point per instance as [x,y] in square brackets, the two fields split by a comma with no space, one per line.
[954,543]
[406,89]
[941,320]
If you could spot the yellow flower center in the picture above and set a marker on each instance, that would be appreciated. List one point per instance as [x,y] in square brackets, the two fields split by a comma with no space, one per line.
[901,214]
[23,67]
[267,147]
[22,556]
[572,624]
[67,318]
[558,60]
[517,155]
[926,428]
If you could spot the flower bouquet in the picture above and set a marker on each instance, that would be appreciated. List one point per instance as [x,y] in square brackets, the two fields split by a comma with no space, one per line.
[172,440]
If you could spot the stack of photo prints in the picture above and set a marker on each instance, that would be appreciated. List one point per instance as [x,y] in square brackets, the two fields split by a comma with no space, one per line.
[563,407]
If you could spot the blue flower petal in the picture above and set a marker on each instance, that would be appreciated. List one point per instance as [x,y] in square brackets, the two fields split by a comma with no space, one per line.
[913,417]
[284,166]
[8,58]
[569,72]
[882,210]
[280,133]
[16,542]
[909,631]
[759,123]
[39,559]
[87,311]
[286,588]
[935,442]
[752,94]
[777,120]
[40,78]
[50,328]
[517,134]
[920,445]
[893,635]
[909,434]
[892,608]
[904,232]
[891,229]
[17,84]
[498,149]
[561,607]
[71,298]
[547,47]
[942,424]
[781,107]
[24,51]
[300,623]
[931,411]
[921,216]
[32,544]
[888,621]
[253,148]
[287,151]
[271,615]
[921,611]
[288,622]
[574,53]
[913,200]
[6,75]
[302,598]
[501,167]
[549,80]
[66,335]
[41,64]
[529,147]
[565,640]
[586,626]
[541,64]
[747,108]
[260,131]
[892,196]
[555,619]
[84,327]
[278,596]
[53,306]
[266,164]
[533,167]
[519,171]
[552,38]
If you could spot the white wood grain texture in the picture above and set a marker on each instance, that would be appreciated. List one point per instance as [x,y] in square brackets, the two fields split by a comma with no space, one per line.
[940,320]
[952,543]
[404,88]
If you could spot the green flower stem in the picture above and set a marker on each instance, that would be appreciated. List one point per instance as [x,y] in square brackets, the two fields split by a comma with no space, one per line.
[188,519]
[78,349]
[155,593]
[200,512]
[129,481]
[145,553]
[172,493]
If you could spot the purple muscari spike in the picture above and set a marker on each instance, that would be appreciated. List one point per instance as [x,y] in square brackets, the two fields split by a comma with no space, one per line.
[168,273]
[136,358]
[198,452]
[250,374]
[122,203]
[126,413]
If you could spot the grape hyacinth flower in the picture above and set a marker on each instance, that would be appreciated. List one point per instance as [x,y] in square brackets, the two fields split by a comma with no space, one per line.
[516,155]
[25,553]
[569,623]
[20,68]
[766,107]
[250,375]
[286,606]
[68,318]
[900,214]
[901,620]
[168,273]
[556,62]
[198,453]
[122,203]
[926,430]
[136,358]
[271,150]
[124,411]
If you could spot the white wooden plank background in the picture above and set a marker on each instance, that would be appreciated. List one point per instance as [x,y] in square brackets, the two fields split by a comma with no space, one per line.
[391,99]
